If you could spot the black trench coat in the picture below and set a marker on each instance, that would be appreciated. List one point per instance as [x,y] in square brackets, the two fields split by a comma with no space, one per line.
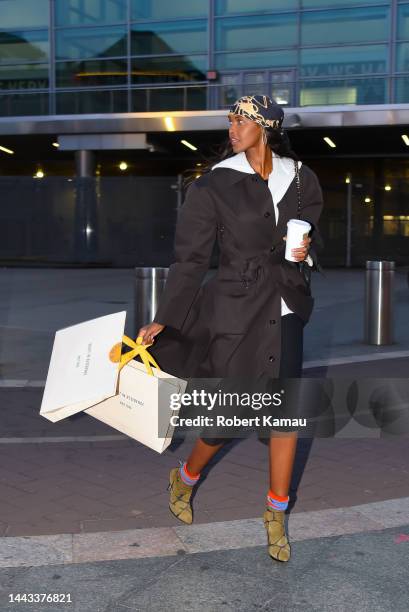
[231,325]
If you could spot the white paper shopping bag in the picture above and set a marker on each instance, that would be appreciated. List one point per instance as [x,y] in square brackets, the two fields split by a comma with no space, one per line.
[83,368]
[142,409]
[87,372]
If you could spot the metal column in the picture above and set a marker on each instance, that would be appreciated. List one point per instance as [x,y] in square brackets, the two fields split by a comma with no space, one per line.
[86,233]
[379,300]
[149,284]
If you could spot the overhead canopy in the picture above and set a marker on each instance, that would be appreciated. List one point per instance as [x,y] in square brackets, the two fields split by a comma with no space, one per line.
[312,117]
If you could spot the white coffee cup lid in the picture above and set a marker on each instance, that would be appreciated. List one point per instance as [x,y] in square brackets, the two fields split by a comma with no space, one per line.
[299,222]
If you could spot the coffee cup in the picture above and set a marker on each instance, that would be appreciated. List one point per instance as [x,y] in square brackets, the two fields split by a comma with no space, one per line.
[297,230]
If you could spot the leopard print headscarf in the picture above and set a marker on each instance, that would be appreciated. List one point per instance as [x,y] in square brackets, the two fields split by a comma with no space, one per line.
[261,109]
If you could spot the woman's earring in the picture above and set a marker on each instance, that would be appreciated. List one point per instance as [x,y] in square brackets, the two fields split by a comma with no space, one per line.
[264,136]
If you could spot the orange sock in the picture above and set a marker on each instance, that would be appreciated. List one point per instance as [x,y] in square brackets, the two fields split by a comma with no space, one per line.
[189,479]
[277,502]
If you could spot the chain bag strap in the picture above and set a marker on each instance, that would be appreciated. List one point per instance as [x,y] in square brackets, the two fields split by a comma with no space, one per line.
[303,266]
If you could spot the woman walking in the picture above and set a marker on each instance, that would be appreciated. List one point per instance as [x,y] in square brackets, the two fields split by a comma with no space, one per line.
[257,304]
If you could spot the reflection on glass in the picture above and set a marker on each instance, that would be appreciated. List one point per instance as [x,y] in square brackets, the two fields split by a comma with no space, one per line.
[230,89]
[348,91]
[282,88]
[91,12]
[165,99]
[404,228]
[336,61]
[182,98]
[402,57]
[169,69]
[24,76]
[97,101]
[140,100]
[391,227]
[91,73]
[91,42]
[196,98]
[262,59]
[343,26]
[227,7]
[403,21]
[254,83]
[335,3]
[253,86]
[278,84]
[24,46]
[17,14]
[162,9]
[235,33]
[172,37]
[282,95]
[13,105]
[401,90]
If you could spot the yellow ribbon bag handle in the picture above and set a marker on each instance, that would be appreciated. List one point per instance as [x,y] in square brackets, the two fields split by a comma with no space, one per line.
[138,349]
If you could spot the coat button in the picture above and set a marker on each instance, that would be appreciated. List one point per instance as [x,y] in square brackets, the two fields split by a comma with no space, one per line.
[267,214]
[272,321]
[271,358]
[272,249]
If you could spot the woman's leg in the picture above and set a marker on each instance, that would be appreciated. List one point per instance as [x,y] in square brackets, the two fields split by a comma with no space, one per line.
[283,445]
[183,479]
[201,454]
[282,454]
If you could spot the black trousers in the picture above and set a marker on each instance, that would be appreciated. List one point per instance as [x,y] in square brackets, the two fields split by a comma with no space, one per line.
[292,344]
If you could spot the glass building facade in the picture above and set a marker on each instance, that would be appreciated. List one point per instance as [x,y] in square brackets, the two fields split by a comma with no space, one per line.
[102,56]
[87,57]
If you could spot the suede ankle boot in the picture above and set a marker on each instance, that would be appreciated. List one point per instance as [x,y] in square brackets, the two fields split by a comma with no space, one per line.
[180,493]
[278,544]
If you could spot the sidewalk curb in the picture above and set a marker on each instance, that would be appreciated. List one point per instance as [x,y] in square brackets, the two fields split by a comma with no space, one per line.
[189,539]
[9,383]
[63,439]
[345,360]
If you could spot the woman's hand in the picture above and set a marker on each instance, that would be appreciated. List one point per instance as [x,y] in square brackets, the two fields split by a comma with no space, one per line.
[148,332]
[301,253]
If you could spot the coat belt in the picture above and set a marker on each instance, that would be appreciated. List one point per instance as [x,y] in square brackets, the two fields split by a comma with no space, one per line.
[264,266]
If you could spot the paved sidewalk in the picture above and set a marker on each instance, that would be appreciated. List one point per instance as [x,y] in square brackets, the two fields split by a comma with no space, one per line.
[79,475]
[80,487]
[209,570]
